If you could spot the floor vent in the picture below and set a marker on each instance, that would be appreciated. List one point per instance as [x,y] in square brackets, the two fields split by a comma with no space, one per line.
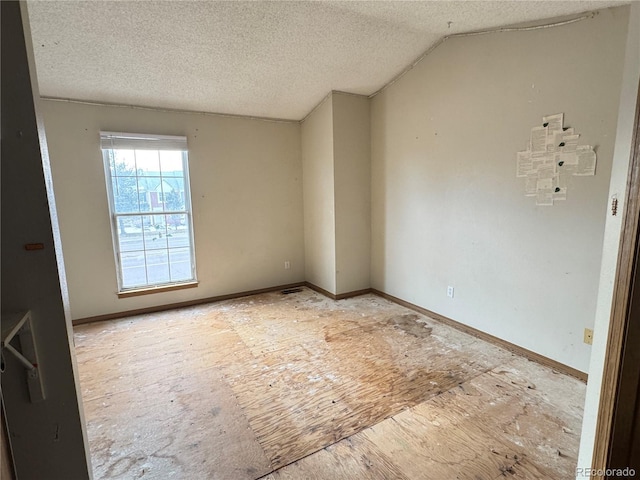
[291,290]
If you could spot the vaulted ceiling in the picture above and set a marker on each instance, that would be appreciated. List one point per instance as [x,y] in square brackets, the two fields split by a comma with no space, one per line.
[273,59]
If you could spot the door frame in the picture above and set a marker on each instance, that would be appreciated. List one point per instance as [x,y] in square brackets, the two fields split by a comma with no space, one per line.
[620,309]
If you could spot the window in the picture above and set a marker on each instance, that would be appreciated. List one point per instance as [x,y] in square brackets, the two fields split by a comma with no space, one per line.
[150,205]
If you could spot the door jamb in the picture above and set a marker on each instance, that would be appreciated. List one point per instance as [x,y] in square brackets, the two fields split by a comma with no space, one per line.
[620,304]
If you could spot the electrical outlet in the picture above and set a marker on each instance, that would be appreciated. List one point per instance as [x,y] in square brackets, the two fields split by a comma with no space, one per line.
[450,292]
[588,336]
[287,264]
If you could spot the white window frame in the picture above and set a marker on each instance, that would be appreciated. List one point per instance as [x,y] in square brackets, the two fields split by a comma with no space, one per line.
[110,141]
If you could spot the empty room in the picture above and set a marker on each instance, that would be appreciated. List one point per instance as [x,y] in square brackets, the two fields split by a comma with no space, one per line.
[319,240]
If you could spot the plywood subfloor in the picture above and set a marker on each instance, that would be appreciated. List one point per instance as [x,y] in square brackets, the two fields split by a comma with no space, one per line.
[301,386]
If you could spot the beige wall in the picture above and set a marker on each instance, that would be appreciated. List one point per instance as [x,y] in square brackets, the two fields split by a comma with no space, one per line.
[617,186]
[336,158]
[319,198]
[447,207]
[246,188]
[352,165]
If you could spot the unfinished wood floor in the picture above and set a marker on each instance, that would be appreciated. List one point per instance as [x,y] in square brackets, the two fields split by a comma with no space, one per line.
[298,386]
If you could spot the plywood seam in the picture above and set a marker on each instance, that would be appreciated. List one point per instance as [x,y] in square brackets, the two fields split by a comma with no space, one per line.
[448,321]
[366,349]
[393,418]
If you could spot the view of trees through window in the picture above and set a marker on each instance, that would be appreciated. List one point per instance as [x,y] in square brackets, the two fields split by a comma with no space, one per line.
[151,218]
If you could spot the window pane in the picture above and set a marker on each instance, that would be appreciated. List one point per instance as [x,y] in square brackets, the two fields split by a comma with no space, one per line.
[155,232]
[180,263]
[123,163]
[167,194]
[153,192]
[158,266]
[125,194]
[178,231]
[171,163]
[143,199]
[130,225]
[174,194]
[148,162]
[153,247]
[133,269]
[129,233]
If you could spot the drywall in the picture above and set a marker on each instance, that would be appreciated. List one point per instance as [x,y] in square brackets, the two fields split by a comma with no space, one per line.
[47,437]
[319,198]
[246,189]
[352,185]
[336,159]
[447,208]
[617,186]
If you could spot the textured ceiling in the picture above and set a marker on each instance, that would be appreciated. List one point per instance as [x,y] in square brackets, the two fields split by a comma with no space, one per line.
[258,58]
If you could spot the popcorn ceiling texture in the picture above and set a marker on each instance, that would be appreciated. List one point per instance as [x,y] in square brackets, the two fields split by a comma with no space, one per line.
[264,59]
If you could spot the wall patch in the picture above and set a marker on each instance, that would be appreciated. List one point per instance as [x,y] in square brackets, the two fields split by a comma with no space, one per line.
[552,157]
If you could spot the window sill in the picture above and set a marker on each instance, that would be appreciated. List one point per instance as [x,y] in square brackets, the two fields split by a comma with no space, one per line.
[159,289]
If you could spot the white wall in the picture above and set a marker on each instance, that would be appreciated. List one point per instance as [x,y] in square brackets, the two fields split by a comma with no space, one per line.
[619,173]
[246,188]
[352,165]
[447,208]
[319,197]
